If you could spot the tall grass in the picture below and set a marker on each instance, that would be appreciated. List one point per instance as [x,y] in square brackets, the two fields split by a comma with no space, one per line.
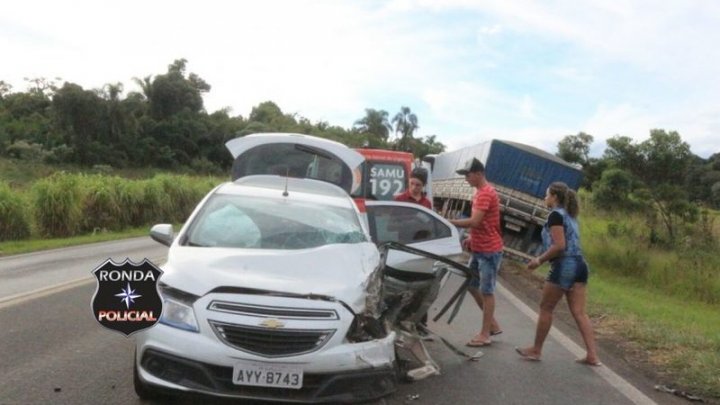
[65,204]
[102,208]
[14,219]
[57,205]
[168,198]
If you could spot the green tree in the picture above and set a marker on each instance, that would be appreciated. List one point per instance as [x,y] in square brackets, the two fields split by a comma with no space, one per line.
[715,195]
[80,117]
[25,116]
[172,92]
[624,153]
[575,148]
[271,118]
[145,85]
[116,117]
[406,123]
[430,145]
[614,190]
[42,86]
[666,158]
[700,178]
[374,126]
[220,128]
[19,105]
[592,171]
[660,163]
[714,161]
[5,88]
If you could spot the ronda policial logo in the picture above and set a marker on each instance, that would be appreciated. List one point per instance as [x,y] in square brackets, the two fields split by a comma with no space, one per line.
[127,299]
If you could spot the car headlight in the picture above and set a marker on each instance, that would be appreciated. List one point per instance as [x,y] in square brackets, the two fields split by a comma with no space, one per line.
[177,309]
[364,328]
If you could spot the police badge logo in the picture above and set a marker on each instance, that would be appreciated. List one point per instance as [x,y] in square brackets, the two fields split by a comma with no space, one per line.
[127,299]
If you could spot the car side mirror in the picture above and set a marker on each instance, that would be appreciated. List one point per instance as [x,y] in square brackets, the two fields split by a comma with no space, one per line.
[163,233]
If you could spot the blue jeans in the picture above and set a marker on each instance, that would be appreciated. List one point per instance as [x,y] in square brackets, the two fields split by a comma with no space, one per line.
[485,267]
[566,271]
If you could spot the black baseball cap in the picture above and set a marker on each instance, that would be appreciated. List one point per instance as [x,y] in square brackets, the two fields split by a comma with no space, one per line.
[472,165]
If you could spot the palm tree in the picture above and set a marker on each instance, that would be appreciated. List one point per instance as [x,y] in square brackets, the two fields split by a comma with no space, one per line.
[376,125]
[111,93]
[146,84]
[406,123]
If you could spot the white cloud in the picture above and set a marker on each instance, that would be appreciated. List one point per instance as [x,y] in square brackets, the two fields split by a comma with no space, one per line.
[544,138]
[573,74]
[623,119]
[490,30]
[527,107]
[697,126]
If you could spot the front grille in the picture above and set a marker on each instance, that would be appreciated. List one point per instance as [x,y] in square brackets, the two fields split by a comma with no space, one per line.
[275,312]
[271,342]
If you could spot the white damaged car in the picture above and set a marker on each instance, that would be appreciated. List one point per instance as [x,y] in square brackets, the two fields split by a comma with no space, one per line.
[275,287]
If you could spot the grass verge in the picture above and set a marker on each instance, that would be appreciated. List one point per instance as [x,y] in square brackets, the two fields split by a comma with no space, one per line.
[25,246]
[679,337]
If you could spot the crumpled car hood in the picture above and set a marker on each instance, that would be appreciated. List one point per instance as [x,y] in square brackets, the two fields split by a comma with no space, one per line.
[341,271]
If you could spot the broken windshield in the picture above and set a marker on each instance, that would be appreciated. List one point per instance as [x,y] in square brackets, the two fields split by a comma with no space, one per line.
[235,221]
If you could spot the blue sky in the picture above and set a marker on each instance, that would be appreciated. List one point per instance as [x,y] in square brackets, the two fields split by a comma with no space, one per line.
[529,71]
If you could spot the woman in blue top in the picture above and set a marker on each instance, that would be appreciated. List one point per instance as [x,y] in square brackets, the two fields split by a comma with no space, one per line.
[568,272]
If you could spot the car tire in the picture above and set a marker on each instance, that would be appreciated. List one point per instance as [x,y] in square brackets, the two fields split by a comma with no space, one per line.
[401,368]
[142,389]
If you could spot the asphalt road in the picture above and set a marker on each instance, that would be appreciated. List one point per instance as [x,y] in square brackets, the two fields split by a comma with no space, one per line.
[53,351]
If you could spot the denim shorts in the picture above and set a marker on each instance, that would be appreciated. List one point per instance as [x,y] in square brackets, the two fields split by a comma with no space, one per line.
[485,267]
[566,271]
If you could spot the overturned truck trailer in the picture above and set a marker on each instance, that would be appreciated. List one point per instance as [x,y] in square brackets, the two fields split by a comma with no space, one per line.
[520,174]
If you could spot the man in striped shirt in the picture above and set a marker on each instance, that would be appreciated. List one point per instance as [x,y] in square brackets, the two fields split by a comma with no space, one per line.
[485,244]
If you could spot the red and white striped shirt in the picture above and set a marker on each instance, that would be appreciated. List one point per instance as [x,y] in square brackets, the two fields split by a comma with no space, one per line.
[487,237]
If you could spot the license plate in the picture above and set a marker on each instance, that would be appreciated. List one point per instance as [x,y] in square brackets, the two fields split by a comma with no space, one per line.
[268,375]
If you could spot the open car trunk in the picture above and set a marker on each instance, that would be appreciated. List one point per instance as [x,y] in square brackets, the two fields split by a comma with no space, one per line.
[295,155]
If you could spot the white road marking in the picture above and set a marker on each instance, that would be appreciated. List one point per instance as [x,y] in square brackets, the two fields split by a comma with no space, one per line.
[619,383]
[19,298]
[42,292]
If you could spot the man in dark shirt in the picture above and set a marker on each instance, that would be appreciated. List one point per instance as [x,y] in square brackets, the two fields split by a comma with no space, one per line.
[415,194]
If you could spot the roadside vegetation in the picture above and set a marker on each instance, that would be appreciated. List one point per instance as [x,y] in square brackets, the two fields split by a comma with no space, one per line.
[651,235]
[65,205]
[663,303]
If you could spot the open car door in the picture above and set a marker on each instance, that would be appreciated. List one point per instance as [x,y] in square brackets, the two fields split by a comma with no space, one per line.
[295,155]
[419,248]
[415,226]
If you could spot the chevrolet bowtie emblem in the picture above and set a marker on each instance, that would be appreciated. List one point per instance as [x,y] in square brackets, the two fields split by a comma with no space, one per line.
[272,323]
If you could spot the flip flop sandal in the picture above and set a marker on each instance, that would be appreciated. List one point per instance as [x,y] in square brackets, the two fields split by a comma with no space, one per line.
[588,363]
[525,356]
[478,343]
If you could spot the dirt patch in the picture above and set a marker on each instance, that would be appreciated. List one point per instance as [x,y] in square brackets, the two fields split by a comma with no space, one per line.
[625,357]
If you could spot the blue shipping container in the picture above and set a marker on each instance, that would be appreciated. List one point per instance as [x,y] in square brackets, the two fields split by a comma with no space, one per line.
[527,169]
